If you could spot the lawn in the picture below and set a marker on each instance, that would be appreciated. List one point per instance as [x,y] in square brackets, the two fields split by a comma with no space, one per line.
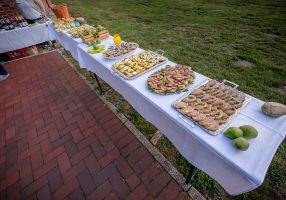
[213,37]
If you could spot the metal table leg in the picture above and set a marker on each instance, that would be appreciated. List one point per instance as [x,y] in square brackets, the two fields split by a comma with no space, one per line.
[98,83]
[191,173]
[66,51]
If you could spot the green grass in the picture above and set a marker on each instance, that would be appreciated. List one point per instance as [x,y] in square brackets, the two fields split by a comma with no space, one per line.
[208,35]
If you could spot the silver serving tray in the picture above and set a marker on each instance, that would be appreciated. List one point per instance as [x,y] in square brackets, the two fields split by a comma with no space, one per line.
[222,127]
[118,73]
[122,55]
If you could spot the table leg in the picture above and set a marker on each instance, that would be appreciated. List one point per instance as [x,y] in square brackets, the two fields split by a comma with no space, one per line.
[191,173]
[66,51]
[98,83]
[51,43]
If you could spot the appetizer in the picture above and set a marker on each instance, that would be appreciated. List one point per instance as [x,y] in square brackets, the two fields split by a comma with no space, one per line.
[118,50]
[211,105]
[139,63]
[63,24]
[171,79]
[77,31]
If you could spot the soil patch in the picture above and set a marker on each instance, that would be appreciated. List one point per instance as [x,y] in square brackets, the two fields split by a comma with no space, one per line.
[139,19]
[243,34]
[271,35]
[281,90]
[165,39]
[243,63]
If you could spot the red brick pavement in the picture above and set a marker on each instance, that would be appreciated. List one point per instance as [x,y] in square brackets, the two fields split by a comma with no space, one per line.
[59,141]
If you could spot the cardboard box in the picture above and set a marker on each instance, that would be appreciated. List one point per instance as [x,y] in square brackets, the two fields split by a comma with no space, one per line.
[32,50]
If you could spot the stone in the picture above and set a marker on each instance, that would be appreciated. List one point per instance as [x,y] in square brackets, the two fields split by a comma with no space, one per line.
[273,109]
[156,137]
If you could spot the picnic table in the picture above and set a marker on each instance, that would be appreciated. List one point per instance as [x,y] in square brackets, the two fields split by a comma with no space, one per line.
[236,171]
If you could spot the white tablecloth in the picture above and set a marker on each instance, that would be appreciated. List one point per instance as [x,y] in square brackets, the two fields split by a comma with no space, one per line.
[236,171]
[23,37]
[59,36]
[65,39]
[72,44]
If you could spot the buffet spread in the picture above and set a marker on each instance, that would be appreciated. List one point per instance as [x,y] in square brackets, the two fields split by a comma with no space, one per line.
[206,108]
[211,105]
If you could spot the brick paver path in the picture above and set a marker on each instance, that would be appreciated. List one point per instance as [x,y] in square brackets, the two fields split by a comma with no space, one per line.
[59,141]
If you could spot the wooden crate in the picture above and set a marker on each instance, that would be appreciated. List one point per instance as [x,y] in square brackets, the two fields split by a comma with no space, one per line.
[102,35]
[87,38]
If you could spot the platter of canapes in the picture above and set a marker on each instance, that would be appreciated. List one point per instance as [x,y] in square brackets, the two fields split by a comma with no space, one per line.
[119,51]
[63,24]
[138,64]
[171,79]
[211,105]
[76,32]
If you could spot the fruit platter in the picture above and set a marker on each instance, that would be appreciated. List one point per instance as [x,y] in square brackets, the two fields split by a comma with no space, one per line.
[118,51]
[95,49]
[63,24]
[211,105]
[77,31]
[138,64]
[171,79]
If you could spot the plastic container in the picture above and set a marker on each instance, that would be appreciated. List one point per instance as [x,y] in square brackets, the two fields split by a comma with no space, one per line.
[61,11]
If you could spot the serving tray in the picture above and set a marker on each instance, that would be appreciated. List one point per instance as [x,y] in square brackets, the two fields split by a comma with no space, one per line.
[118,73]
[67,29]
[169,93]
[188,120]
[122,55]
[82,26]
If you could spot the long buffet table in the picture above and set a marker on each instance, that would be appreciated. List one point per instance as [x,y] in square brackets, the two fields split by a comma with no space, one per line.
[24,37]
[236,171]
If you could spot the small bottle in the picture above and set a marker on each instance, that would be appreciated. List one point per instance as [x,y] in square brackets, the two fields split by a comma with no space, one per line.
[11,26]
[6,24]
[24,21]
[18,22]
[21,21]
[2,24]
